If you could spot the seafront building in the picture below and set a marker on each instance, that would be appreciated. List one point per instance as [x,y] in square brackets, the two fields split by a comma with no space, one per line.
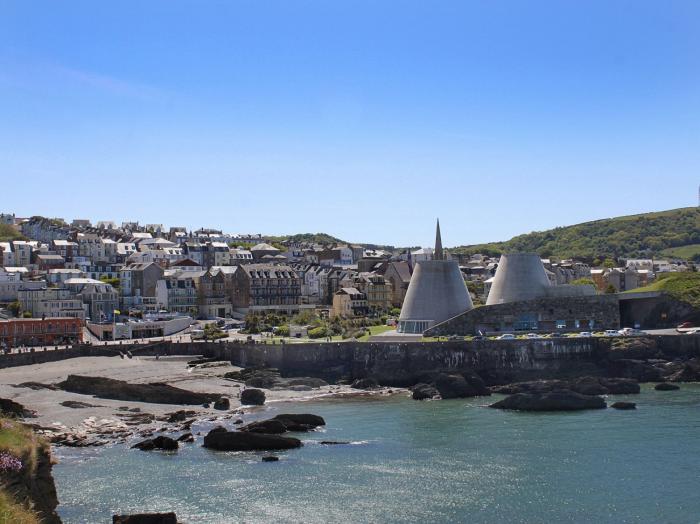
[436,293]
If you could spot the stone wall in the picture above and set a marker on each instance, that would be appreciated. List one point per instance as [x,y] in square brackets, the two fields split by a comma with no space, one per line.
[544,313]
[405,363]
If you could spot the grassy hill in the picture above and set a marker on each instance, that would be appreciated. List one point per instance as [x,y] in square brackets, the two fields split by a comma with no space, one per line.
[681,286]
[319,238]
[667,233]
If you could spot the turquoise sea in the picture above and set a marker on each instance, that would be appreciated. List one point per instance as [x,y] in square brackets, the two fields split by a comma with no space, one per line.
[408,461]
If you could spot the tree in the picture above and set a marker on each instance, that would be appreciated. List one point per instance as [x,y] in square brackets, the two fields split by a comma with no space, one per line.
[15,307]
[583,282]
[610,290]
[27,314]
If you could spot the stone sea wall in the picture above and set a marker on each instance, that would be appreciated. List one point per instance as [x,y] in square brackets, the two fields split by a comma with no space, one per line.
[395,363]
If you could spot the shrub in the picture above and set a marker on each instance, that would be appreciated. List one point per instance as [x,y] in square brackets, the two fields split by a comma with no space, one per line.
[318,332]
[283,331]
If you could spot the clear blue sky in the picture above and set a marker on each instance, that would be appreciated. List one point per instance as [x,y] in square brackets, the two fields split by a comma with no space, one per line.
[363,119]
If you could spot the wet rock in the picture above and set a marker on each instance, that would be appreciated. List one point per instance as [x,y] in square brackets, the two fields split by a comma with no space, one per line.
[252,397]
[665,386]
[365,383]
[158,393]
[178,416]
[238,421]
[301,418]
[457,386]
[187,437]
[146,518]
[422,391]
[623,405]
[160,442]
[582,385]
[272,427]
[222,440]
[270,458]
[332,442]
[558,400]
[297,388]
[222,404]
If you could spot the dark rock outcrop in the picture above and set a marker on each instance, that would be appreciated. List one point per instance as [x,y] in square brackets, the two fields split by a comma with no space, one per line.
[457,386]
[222,440]
[270,458]
[639,370]
[688,373]
[161,442]
[582,385]
[665,386]
[76,404]
[558,400]
[252,397]
[623,405]
[301,418]
[158,393]
[365,383]
[10,408]
[285,422]
[179,416]
[186,437]
[145,518]
[333,442]
[272,427]
[222,404]
[422,391]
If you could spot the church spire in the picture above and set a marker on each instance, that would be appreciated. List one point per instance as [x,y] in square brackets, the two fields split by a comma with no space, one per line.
[438,243]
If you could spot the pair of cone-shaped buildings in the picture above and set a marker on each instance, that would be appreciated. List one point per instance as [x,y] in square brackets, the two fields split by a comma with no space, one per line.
[437,291]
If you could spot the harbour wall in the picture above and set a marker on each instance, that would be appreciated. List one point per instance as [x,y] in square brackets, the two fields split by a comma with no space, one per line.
[393,363]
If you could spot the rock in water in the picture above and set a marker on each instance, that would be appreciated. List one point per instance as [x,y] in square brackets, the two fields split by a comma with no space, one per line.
[301,418]
[271,427]
[222,404]
[252,397]
[665,386]
[457,386]
[145,518]
[222,440]
[186,437]
[160,442]
[559,400]
[623,405]
[270,458]
[422,391]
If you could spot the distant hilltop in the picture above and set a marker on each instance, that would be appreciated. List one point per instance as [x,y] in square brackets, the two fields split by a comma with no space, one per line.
[674,233]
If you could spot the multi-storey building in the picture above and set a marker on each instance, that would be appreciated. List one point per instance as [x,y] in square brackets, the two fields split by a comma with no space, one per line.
[40,332]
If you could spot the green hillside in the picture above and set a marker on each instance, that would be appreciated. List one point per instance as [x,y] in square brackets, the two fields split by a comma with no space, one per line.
[661,233]
[317,238]
[681,286]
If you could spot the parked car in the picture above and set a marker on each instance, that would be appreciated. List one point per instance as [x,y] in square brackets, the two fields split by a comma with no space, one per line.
[611,333]
[532,335]
[585,334]
[506,336]
[630,332]
[197,334]
[685,325]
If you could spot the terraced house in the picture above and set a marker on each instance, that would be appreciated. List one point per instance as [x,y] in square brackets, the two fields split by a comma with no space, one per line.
[268,288]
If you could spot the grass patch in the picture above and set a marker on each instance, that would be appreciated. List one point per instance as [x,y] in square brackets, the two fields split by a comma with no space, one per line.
[688,252]
[13,513]
[375,330]
[681,286]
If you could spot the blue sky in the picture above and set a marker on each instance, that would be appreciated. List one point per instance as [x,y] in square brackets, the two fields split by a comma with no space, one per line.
[363,119]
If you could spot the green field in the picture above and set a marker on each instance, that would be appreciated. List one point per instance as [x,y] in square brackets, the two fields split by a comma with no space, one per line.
[689,252]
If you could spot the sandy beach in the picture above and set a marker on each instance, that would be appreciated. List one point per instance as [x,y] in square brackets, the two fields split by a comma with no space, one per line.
[109,419]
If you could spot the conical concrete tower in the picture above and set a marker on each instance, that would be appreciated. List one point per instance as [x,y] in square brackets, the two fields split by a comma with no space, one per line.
[520,276]
[436,293]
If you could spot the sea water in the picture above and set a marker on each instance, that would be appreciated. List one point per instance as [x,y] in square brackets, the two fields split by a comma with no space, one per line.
[409,461]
